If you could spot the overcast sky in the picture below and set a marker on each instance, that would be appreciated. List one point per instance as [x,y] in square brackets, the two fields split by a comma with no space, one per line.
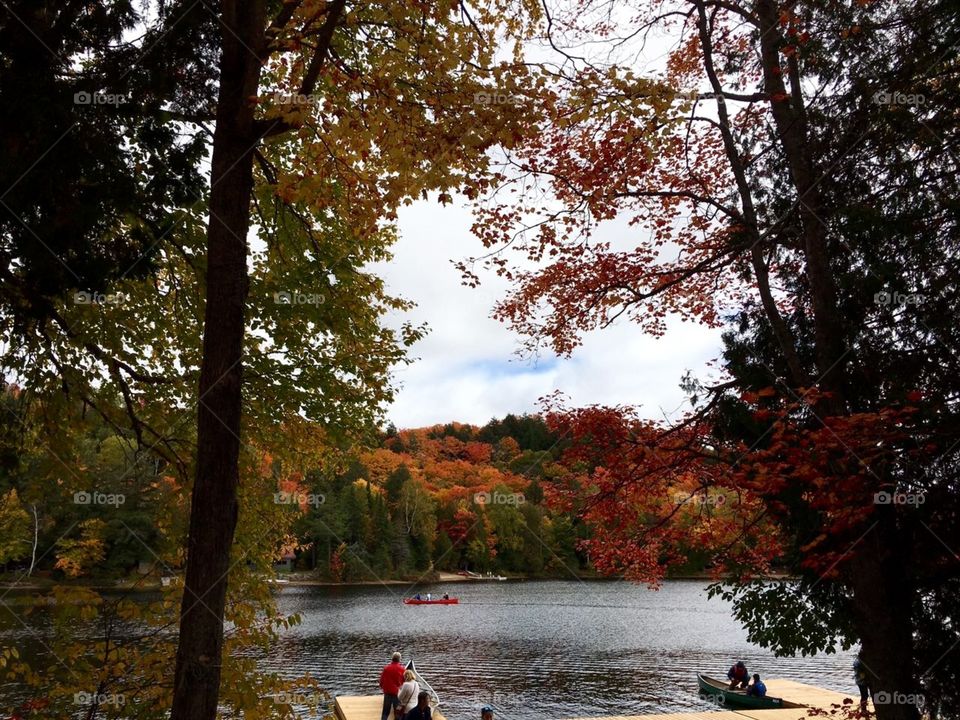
[467,370]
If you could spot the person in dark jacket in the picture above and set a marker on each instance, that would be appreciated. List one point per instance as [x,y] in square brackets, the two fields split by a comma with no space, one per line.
[862,678]
[422,710]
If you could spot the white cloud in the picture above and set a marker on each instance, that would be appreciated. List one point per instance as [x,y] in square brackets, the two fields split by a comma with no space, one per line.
[467,369]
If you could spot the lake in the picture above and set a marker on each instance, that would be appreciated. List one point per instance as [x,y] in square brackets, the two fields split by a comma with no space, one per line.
[535,649]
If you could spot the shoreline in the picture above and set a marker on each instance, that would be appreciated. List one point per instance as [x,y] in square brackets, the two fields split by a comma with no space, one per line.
[280,581]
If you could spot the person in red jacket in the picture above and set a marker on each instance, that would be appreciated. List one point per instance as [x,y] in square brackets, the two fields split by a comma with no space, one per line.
[738,675]
[391,678]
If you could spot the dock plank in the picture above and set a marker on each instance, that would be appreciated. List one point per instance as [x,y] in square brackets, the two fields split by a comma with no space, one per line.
[800,693]
[363,707]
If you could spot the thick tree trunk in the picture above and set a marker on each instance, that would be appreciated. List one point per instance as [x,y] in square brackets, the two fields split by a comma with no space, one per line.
[883,594]
[213,512]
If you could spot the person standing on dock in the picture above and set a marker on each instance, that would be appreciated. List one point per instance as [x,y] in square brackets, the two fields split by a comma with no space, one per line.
[862,678]
[409,693]
[391,679]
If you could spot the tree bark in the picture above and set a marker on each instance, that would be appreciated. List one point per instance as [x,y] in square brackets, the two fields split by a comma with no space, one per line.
[882,593]
[214,509]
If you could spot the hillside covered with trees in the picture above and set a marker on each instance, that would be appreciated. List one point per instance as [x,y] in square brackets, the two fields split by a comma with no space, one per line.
[441,498]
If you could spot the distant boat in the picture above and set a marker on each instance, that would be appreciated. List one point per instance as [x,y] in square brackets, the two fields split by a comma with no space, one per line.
[722,693]
[435,601]
[424,685]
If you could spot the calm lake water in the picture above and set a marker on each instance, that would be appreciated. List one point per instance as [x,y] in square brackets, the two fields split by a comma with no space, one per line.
[535,650]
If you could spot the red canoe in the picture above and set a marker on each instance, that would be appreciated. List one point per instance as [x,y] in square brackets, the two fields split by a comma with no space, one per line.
[440,601]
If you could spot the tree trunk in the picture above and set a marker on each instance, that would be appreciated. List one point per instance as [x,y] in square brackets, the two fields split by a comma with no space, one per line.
[213,512]
[36,535]
[789,117]
[883,614]
[877,574]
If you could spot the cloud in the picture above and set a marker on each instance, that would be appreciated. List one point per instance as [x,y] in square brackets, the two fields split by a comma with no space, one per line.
[467,368]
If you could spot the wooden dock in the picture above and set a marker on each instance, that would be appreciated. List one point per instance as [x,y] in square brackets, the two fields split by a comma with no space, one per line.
[363,707]
[799,695]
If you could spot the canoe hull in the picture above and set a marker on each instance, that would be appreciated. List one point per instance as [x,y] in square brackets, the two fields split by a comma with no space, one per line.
[414,601]
[424,685]
[719,693]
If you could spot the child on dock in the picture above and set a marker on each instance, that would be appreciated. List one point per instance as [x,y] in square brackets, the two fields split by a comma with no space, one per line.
[422,710]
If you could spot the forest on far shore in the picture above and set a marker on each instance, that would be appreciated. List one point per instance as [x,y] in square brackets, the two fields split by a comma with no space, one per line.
[445,498]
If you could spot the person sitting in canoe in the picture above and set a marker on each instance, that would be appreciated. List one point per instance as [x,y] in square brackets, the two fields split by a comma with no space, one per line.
[757,689]
[486,712]
[407,695]
[417,597]
[738,675]
[446,596]
[422,709]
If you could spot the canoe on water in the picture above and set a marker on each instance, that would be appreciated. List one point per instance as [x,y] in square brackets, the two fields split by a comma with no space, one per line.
[719,692]
[436,601]
[424,685]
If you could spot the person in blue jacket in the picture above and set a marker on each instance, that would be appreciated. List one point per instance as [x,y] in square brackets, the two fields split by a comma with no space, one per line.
[758,689]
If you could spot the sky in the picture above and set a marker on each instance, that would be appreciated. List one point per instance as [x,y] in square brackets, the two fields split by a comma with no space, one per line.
[467,368]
